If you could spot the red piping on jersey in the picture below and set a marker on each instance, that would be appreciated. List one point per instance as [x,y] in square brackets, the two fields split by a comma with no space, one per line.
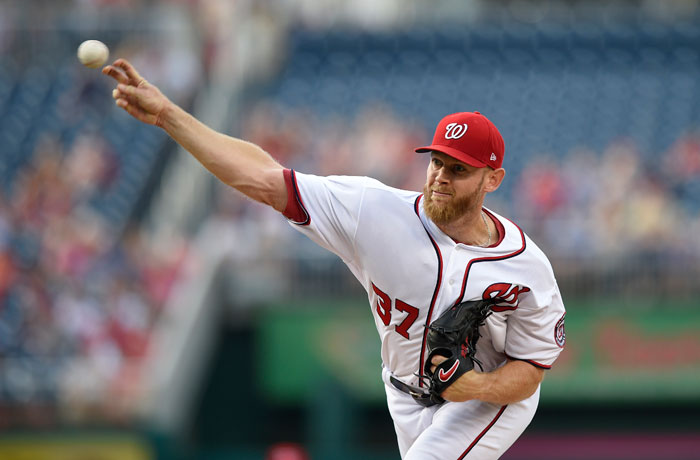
[530,361]
[500,230]
[536,364]
[435,294]
[499,226]
[497,308]
[489,259]
[461,295]
[295,210]
[481,435]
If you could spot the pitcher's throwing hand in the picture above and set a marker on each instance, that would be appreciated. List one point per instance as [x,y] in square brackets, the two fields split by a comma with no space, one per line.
[134,94]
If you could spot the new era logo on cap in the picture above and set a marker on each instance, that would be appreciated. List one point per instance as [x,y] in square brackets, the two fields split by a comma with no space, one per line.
[469,137]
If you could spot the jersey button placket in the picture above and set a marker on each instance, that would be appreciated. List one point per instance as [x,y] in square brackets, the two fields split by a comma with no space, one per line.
[453,272]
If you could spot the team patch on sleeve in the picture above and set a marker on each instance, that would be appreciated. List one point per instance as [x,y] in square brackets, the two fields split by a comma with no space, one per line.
[560,333]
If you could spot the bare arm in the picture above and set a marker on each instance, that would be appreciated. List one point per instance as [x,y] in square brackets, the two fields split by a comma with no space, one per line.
[510,383]
[240,164]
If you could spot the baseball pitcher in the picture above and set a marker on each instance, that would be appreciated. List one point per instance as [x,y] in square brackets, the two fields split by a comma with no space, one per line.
[466,305]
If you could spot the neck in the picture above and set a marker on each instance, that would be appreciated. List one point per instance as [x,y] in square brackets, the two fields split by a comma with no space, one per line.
[470,228]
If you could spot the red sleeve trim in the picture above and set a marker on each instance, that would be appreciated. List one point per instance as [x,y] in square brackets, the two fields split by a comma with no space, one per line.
[534,363]
[295,210]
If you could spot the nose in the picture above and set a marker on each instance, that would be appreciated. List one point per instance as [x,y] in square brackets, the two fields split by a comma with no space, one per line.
[443,175]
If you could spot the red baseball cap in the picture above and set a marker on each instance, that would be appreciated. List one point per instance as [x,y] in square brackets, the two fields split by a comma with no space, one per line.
[469,137]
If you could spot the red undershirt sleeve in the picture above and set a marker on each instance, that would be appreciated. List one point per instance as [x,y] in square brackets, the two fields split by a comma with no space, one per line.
[294,211]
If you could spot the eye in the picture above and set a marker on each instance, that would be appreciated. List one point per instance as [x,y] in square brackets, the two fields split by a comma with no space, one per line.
[459,169]
[436,162]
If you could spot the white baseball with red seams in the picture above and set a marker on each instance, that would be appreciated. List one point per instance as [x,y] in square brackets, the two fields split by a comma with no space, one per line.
[93,53]
[413,272]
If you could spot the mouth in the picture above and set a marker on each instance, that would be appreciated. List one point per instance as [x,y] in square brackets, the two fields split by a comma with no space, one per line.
[440,195]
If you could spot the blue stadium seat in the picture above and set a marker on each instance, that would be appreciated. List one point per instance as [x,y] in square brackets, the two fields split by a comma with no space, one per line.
[550,87]
[33,104]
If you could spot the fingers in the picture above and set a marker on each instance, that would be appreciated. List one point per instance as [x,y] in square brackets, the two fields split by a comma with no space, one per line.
[131,88]
[115,73]
[129,70]
[126,99]
[123,92]
[136,111]
[124,73]
[130,93]
[435,361]
[127,89]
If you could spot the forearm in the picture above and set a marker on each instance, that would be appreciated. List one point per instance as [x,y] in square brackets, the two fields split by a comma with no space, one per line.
[238,163]
[513,382]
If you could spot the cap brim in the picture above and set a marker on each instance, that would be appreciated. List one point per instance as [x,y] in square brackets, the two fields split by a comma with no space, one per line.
[454,153]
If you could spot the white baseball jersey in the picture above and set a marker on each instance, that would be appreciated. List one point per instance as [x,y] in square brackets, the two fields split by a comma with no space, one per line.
[413,272]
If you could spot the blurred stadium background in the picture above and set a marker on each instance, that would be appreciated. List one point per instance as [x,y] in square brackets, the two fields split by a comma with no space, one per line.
[147,312]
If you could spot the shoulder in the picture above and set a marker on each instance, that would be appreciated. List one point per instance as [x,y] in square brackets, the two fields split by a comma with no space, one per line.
[313,179]
[516,237]
[378,190]
[527,261]
[371,188]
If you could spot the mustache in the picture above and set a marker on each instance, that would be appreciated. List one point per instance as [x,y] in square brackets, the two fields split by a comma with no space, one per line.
[442,190]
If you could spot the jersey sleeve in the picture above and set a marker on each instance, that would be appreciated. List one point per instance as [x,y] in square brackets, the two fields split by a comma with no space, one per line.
[326,209]
[535,331]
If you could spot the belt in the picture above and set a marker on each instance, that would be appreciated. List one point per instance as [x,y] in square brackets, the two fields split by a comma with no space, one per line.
[424,399]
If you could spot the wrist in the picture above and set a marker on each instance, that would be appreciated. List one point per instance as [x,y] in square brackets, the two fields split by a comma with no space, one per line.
[167,117]
[481,386]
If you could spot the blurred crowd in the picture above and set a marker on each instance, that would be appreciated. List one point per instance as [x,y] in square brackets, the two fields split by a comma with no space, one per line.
[79,296]
[77,300]
[615,203]
[80,290]
[582,206]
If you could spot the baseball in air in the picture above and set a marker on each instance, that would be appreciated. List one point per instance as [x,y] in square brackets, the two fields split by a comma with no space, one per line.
[93,53]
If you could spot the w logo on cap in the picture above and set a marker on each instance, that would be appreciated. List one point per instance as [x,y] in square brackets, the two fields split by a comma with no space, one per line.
[481,146]
[455,130]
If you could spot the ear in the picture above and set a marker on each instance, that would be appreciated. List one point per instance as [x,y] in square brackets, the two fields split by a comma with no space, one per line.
[493,179]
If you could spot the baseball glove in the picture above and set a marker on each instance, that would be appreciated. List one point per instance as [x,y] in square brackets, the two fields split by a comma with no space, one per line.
[454,335]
